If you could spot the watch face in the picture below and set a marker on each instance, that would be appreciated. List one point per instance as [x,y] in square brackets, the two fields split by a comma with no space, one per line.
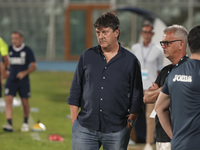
[132,123]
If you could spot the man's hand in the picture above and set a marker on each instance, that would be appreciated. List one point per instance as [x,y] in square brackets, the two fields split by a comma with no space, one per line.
[154,86]
[21,75]
[74,113]
[151,95]
[5,74]
[132,117]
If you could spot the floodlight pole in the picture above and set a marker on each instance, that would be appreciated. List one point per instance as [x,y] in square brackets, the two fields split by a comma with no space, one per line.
[50,49]
[190,13]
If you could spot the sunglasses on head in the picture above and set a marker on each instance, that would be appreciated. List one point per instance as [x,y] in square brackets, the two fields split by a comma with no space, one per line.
[166,43]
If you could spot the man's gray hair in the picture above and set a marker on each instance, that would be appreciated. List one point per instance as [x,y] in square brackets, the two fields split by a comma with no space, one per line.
[179,31]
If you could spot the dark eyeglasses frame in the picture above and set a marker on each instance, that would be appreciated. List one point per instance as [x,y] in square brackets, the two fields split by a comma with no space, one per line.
[147,32]
[166,43]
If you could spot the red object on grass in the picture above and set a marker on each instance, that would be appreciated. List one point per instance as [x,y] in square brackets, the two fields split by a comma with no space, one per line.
[55,137]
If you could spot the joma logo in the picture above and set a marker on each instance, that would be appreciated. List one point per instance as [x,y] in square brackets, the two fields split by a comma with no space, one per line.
[182,78]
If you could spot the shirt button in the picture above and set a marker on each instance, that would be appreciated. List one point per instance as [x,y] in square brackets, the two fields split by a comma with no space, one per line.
[101,99]
[102,87]
[104,77]
[105,67]
[100,110]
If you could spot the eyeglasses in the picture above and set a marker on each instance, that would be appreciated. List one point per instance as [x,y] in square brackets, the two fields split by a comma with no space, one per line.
[166,43]
[147,32]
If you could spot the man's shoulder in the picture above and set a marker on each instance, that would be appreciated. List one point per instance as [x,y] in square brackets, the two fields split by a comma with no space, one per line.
[91,50]
[94,48]
[128,53]
[2,41]
[135,46]
[27,48]
[167,68]
[165,71]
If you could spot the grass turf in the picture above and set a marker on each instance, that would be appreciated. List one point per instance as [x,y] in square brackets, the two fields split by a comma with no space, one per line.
[49,93]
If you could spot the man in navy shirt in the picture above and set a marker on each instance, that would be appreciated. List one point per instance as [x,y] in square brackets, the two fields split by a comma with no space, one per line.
[22,63]
[181,93]
[107,86]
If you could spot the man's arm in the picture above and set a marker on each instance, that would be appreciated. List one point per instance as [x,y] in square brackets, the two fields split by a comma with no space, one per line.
[31,68]
[4,53]
[163,112]
[151,95]
[4,65]
[74,113]
[132,117]
[6,61]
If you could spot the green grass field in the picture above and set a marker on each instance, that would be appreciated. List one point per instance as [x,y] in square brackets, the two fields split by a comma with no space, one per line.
[49,93]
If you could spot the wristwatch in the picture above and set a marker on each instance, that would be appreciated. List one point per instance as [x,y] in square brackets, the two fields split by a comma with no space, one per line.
[131,122]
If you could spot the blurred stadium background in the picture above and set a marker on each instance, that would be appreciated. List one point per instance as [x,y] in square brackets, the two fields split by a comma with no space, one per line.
[59,30]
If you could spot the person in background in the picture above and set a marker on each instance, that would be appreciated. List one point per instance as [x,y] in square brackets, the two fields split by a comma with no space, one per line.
[151,58]
[107,86]
[22,63]
[178,105]
[176,53]
[3,65]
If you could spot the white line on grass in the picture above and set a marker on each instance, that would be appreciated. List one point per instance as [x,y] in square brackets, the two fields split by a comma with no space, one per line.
[34,135]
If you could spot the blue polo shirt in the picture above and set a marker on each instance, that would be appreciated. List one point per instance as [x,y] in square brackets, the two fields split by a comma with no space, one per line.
[183,86]
[106,92]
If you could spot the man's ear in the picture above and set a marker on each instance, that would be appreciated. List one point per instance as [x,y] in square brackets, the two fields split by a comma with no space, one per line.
[181,45]
[117,33]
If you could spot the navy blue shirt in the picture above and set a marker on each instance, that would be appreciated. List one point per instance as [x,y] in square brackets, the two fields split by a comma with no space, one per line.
[106,92]
[183,86]
[19,61]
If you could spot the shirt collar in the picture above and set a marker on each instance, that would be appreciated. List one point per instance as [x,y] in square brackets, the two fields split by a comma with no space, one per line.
[183,59]
[99,50]
[18,48]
